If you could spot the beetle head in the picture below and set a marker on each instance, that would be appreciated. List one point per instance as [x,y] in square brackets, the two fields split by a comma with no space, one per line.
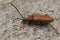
[24,20]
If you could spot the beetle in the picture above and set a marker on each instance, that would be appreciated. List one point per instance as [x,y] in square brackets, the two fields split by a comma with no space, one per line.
[36,19]
[39,19]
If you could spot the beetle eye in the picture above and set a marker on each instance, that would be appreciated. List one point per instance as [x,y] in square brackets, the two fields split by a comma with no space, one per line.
[24,20]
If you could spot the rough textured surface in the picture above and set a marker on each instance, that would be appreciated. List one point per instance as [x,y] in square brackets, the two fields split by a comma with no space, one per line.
[19,31]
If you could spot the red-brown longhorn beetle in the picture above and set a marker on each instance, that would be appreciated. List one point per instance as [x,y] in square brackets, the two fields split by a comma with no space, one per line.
[36,19]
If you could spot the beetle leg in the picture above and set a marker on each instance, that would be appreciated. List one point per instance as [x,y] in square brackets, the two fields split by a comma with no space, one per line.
[35,28]
[54,29]
[16,19]
[48,29]
[38,24]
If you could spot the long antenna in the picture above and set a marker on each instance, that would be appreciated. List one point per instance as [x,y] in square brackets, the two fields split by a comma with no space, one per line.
[16,9]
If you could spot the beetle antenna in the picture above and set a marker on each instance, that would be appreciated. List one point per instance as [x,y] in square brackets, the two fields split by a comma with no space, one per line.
[54,28]
[17,9]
